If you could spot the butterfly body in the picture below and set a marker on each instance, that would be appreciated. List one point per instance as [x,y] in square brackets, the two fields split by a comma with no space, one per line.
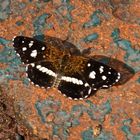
[59,64]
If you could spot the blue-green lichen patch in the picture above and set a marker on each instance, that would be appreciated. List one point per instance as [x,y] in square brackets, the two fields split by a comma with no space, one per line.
[126,128]
[40,24]
[8,57]
[132,56]
[61,120]
[23,8]
[65,10]
[19,23]
[46,0]
[4,9]
[88,134]
[138,80]
[95,19]
[90,37]
[98,112]
[50,106]
[115,35]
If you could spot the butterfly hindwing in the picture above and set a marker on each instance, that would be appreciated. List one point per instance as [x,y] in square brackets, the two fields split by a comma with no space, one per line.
[74,86]
[41,74]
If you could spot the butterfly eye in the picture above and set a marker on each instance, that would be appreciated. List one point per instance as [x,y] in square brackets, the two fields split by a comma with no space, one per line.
[74,75]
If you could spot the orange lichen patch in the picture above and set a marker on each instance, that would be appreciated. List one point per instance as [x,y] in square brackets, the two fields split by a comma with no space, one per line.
[115,130]
[3,66]
[135,11]
[81,10]
[6,27]
[1,47]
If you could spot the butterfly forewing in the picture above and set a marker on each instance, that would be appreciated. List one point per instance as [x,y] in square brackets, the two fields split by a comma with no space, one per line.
[29,49]
[99,75]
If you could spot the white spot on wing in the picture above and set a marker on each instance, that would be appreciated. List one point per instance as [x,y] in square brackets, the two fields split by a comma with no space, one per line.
[18,54]
[101,69]
[119,76]
[27,68]
[80,82]
[24,49]
[38,66]
[71,98]
[86,84]
[104,77]
[89,91]
[75,99]
[36,85]
[86,96]
[13,38]
[31,44]
[105,86]
[88,64]
[92,75]
[34,53]
[43,48]
[22,41]
[32,64]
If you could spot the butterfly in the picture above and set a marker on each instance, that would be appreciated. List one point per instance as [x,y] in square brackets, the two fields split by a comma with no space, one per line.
[55,63]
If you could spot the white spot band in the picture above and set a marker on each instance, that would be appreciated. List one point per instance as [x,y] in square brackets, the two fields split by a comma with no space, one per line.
[72,80]
[46,70]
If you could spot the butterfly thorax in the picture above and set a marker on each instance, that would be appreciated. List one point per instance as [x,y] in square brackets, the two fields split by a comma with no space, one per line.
[63,61]
[75,64]
[55,56]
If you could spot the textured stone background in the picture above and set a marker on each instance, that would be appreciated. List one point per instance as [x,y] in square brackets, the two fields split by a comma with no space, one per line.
[111,28]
